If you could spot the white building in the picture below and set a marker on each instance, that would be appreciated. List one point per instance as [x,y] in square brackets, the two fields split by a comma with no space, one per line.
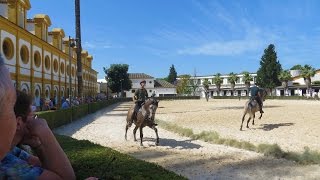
[297,87]
[159,87]
[225,89]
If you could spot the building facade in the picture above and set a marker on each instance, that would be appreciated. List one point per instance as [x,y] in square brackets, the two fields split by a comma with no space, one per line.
[297,87]
[159,87]
[41,62]
[225,89]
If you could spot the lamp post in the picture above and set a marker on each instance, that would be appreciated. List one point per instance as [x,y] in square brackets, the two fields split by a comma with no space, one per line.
[71,45]
[107,79]
[121,87]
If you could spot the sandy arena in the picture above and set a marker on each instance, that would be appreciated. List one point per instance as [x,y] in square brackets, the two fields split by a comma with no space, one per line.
[291,124]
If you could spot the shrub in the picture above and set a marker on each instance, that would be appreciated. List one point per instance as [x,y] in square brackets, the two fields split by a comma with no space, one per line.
[89,159]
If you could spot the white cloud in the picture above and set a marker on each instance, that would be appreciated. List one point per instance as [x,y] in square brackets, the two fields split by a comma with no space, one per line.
[100,45]
[224,48]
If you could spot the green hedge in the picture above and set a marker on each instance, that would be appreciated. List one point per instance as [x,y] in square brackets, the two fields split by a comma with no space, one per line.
[90,159]
[65,116]
[268,97]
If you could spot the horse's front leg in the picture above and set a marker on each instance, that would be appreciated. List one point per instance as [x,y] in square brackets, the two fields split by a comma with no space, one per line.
[254,116]
[141,135]
[248,121]
[260,115]
[156,130]
[134,133]
[244,115]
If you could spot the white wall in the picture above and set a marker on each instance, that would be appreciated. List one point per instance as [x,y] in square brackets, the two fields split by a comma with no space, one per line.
[165,91]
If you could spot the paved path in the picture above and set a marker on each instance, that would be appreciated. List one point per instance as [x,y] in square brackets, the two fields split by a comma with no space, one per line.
[193,159]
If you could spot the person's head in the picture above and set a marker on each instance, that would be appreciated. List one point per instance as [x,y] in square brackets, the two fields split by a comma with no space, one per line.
[7,116]
[143,83]
[23,111]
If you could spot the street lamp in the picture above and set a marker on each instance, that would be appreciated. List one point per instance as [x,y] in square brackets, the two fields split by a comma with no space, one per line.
[71,45]
[121,87]
[107,79]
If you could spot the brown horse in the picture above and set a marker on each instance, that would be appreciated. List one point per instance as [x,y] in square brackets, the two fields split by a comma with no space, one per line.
[251,107]
[144,117]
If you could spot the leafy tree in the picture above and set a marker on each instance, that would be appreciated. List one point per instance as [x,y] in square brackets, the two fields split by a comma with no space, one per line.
[297,67]
[284,77]
[270,68]
[217,80]
[233,78]
[118,77]
[206,83]
[183,85]
[193,84]
[172,75]
[307,73]
[247,78]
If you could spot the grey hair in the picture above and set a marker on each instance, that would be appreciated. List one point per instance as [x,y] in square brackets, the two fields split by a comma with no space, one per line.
[1,60]
[5,85]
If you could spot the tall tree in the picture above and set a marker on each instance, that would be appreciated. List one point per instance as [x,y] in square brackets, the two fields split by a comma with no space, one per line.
[183,87]
[307,73]
[118,77]
[172,77]
[233,78]
[285,77]
[217,80]
[270,68]
[247,78]
[297,67]
[79,48]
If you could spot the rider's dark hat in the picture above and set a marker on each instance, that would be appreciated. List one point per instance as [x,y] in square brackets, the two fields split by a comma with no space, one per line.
[143,81]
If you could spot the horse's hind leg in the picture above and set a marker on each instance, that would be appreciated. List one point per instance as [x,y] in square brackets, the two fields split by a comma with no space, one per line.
[134,133]
[242,121]
[156,130]
[141,136]
[248,121]
[127,127]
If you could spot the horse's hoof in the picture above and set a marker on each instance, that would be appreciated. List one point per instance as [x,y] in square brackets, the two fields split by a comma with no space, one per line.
[134,140]
[141,144]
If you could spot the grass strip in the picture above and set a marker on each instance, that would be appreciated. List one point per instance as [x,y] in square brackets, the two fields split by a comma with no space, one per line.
[274,150]
[90,159]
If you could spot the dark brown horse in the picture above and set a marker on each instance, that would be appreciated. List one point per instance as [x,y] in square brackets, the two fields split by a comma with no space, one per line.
[145,117]
[251,107]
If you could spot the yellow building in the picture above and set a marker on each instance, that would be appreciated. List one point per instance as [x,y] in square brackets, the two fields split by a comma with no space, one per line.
[38,59]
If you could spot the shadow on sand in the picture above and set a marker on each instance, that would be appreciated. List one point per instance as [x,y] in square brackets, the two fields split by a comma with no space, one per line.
[172,143]
[269,127]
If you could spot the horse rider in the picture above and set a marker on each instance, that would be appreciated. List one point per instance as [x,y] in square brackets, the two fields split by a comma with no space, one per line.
[256,95]
[140,96]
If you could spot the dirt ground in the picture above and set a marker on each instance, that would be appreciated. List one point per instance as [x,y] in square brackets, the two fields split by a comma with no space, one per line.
[292,124]
[192,158]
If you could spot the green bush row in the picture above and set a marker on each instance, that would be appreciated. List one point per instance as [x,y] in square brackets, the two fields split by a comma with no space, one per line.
[268,97]
[65,116]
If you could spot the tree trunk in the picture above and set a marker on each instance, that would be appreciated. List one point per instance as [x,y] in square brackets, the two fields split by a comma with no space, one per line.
[79,48]
[233,84]
[285,87]
[218,88]
[248,87]
[308,83]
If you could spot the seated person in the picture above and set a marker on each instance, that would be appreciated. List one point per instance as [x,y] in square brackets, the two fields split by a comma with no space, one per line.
[51,163]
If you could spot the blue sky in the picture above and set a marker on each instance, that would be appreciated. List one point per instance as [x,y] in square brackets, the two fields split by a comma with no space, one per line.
[207,36]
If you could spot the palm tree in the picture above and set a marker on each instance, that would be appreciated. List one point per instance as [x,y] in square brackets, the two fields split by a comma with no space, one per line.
[79,48]
[217,80]
[233,78]
[206,84]
[247,78]
[284,77]
[307,73]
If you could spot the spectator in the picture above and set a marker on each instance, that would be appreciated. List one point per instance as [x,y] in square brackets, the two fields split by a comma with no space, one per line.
[35,132]
[66,104]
